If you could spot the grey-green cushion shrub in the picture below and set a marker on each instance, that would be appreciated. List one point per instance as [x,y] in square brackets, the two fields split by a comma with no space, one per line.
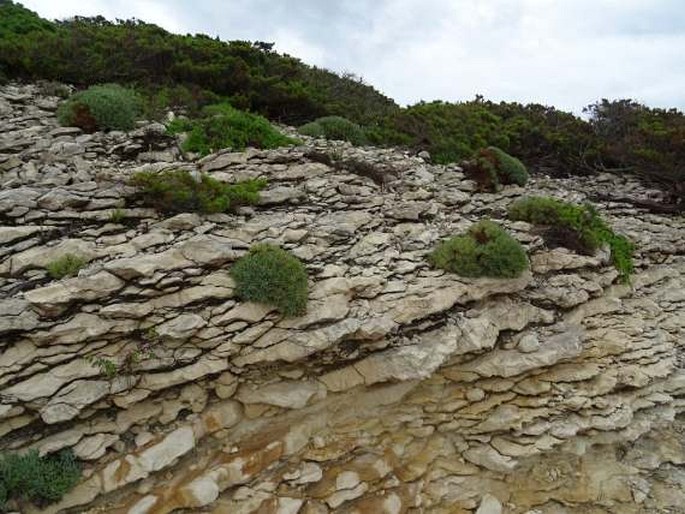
[106,107]
[485,250]
[335,127]
[312,129]
[491,167]
[40,480]
[577,227]
[269,274]
[179,191]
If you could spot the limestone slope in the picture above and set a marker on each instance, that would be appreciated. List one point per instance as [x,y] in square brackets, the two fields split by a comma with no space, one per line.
[403,389]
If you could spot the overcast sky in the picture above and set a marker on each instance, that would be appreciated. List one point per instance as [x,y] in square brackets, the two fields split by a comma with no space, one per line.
[566,53]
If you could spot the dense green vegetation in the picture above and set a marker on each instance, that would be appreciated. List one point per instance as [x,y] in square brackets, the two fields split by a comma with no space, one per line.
[268,274]
[486,250]
[40,480]
[577,227]
[107,107]
[66,266]
[192,69]
[179,191]
[222,126]
[191,72]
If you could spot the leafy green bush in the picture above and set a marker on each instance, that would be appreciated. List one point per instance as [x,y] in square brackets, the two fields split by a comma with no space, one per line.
[491,167]
[222,126]
[335,127]
[268,274]
[66,266]
[41,480]
[107,107]
[577,227]
[486,250]
[179,191]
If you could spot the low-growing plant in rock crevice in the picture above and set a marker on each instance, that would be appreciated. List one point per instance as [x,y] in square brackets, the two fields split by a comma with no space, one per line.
[577,227]
[486,250]
[67,265]
[40,480]
[269,274]
[181,191]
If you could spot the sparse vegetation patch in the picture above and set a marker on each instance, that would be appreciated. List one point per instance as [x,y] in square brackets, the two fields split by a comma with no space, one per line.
[180,191]
[577,227]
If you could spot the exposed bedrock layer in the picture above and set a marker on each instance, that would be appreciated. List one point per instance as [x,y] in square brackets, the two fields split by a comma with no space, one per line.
[403,389]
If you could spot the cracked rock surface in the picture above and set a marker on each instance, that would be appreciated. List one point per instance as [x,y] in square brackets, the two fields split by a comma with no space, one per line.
[402,389]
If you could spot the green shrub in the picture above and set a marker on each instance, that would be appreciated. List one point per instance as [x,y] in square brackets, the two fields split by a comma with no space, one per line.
[41,480]
[268,274]
[577,227]
[66,266]
[107,107]
[491,167]
[335,127]
[312,129]
[222,126]
[179,191]
[486,250]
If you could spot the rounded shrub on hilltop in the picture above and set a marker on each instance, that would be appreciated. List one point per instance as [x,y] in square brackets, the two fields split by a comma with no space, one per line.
[107,107]
[335,127]
[180,191]
[486,250]
[271,275]
[577,227]
[223,126]
[492,167]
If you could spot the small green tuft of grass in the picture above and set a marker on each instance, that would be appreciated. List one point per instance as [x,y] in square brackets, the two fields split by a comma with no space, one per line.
[66,266]
[577,227]
[486,250]
[40,480]
[180,191]
[117,215]
[268,274]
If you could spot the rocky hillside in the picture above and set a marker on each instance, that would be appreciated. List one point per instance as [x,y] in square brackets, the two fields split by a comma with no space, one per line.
[402,390]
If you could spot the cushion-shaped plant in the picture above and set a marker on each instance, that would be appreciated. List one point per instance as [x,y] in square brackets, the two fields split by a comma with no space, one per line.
[271,275]
[312,129]
[335,127]
[577,227]
[223,126]
[41,480]
[180,191]
[486,250]
[492,167]
[106,107]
